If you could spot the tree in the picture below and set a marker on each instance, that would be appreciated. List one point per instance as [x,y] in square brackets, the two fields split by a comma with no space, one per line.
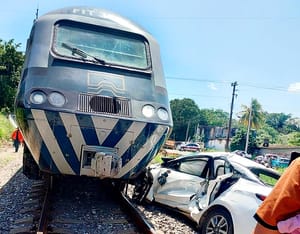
[185,114]
[267,132]
[211,117]
[252,114]
[238,142]
[295,139]
[293,124]
[11,62]
[251,117]
[278,121]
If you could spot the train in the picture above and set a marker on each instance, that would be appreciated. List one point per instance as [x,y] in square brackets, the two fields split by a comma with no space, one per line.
[92,98]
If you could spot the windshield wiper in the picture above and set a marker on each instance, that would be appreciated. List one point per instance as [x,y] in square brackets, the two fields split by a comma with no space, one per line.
[82,53]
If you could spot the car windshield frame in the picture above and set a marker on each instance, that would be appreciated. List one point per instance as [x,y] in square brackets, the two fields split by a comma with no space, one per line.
[112,47]
[209,170]
[266,176]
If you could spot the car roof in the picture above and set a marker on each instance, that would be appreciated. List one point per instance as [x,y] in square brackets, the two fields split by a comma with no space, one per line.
[247,167]
[204,154]
[166,160]
[250,163]
[245,171]
[244,161]
[232,157]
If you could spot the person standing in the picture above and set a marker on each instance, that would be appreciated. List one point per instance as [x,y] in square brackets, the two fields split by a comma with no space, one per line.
[17,138]
[282,203]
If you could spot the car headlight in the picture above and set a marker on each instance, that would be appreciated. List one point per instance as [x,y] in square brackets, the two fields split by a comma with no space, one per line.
[163,114]
[56,99]
[148,111]
[38,97]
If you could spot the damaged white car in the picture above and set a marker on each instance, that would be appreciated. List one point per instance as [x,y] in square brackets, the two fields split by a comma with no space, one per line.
[206,188]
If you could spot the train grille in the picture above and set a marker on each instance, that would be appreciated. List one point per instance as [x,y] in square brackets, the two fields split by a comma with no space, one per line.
[105,105]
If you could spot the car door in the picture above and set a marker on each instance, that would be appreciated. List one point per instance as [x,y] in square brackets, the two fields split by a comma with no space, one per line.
[182,182]
[212,187]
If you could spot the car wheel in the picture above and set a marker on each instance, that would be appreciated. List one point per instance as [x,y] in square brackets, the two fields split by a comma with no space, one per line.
[216,221]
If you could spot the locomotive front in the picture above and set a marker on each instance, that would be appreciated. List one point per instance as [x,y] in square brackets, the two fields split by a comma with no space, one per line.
[92,99]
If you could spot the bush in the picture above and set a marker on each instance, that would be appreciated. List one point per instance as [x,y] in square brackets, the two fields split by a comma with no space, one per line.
[6,129]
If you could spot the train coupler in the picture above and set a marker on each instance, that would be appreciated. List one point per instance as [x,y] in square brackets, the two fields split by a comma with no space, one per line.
[102,162]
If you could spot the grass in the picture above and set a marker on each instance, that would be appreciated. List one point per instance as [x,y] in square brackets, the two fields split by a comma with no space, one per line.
[268,180]
[162,153]
[6,129]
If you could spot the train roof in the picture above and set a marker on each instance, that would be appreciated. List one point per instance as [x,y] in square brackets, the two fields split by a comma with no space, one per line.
[96,16]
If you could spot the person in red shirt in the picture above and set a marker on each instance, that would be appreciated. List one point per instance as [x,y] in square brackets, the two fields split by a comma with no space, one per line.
[17,138]
[282,203]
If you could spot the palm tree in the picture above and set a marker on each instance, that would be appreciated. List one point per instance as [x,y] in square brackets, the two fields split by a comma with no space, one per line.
[252,116]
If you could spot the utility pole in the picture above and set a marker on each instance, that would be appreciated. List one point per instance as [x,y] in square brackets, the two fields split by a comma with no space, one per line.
[230,116]
[248,130]
[187,131]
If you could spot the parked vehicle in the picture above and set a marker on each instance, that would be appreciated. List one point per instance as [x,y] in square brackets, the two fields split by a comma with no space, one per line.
[259,158]
[280,162]
[208,189]
[242,153]
[194,147]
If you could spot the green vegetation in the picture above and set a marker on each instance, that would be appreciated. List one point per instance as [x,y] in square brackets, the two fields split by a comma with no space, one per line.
[5,129]
[11,62]
[268,180]
[252,123]
[161,154]
[157,159]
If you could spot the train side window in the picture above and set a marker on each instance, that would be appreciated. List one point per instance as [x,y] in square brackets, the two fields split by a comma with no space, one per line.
[111,48]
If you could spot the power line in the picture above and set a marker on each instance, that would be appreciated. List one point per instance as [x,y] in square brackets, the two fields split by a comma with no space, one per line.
[196,95]
[196,18]
[195,79]
[275,88]
[282,89]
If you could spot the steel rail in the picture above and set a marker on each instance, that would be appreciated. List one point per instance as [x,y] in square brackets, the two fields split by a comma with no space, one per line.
[44,216]
[143,225]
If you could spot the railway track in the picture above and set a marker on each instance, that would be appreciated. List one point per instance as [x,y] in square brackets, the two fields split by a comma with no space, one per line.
[79,205]
[19,198]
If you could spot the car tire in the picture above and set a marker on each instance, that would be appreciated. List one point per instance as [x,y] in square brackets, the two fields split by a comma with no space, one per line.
[217,221]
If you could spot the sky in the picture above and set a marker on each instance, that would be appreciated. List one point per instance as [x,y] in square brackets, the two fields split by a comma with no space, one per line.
[205,46]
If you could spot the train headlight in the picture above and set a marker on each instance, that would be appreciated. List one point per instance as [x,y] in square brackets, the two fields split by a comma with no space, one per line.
[38,97]
[56,99]
[148,111]
[163,114]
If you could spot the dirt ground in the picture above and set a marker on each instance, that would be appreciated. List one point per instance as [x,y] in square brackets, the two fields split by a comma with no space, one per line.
[10,162]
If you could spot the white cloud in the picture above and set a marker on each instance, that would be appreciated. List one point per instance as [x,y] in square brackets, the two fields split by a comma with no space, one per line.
[295,87]
[212,86]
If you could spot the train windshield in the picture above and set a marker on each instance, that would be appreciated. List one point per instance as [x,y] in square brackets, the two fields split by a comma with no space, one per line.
[100,46]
